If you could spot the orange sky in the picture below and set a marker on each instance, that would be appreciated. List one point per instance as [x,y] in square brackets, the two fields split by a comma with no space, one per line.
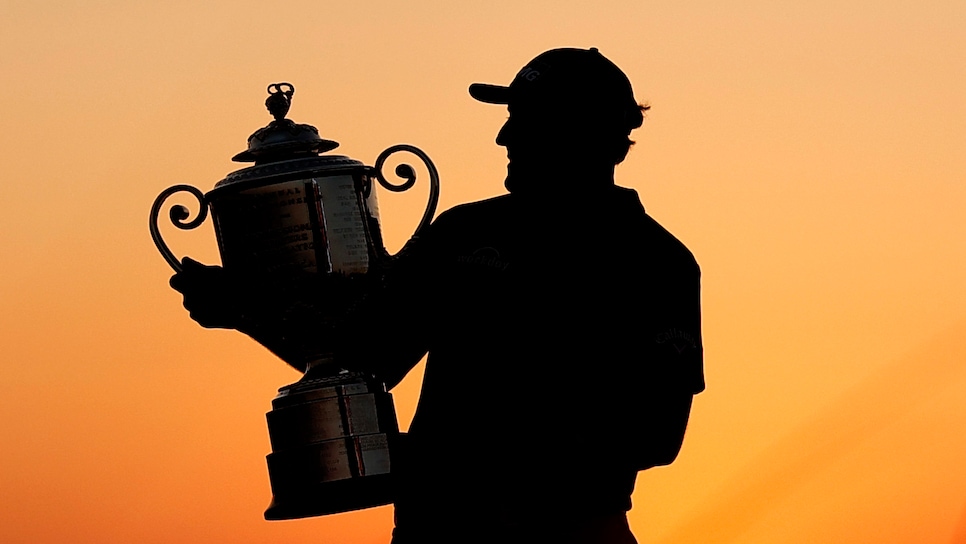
[812,157]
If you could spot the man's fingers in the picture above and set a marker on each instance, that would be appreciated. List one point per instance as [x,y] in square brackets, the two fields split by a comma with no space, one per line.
[189,263]
[177,282]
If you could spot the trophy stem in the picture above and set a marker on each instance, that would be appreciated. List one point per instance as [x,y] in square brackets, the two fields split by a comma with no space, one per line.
[324,361]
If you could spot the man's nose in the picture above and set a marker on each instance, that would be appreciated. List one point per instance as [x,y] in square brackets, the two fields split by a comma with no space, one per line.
[503,137]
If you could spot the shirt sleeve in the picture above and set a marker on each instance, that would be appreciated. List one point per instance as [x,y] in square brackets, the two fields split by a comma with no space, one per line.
[676,340]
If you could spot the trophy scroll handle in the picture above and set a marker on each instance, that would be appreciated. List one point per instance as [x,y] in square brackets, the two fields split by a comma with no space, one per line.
[178,215]
[406,172]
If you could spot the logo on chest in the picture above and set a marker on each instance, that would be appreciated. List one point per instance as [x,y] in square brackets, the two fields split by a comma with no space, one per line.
[485,257]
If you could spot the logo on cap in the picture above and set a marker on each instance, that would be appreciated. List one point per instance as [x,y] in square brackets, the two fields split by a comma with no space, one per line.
[528,73]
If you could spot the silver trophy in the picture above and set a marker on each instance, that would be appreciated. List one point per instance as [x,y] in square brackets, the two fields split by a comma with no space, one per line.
[293,219]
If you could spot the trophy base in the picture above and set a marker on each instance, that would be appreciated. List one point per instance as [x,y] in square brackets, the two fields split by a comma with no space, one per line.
[332,436]
[332,498]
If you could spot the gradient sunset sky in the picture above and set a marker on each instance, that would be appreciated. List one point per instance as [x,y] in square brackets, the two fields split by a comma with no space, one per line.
[812,156]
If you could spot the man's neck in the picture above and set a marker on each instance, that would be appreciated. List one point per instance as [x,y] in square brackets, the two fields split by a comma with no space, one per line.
[571,179]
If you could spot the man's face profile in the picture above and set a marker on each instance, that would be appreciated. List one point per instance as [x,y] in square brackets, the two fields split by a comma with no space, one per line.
[538,142]
[551,143]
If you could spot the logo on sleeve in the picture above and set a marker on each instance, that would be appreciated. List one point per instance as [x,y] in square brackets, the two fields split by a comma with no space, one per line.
[678,338]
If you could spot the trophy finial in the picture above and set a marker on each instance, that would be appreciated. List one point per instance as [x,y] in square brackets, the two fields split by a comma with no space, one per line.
[283,139]
[279,99]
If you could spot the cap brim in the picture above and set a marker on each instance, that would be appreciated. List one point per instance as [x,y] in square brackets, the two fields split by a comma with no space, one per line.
[491,94]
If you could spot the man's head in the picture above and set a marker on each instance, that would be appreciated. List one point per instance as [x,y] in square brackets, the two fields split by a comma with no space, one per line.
[571,111]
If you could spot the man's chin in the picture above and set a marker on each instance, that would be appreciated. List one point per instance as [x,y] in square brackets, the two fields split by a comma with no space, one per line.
[521,179]
[519,171]
[511,182]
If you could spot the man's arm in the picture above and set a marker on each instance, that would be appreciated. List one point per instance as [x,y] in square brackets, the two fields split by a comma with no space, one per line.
[288,323]
[358,319]
[672,371]
[662,429]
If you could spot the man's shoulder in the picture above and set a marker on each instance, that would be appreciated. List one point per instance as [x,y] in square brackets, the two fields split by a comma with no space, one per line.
[666,243]
[654,236]
[474,210]
[495,215]
[473,217]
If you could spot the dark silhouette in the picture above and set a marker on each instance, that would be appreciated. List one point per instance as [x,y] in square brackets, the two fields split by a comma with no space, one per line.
[562,325]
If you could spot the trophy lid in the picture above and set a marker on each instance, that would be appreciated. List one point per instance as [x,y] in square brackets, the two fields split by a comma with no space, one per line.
[283,139]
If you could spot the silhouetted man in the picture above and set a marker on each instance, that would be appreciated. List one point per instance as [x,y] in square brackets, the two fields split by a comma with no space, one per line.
[562,325]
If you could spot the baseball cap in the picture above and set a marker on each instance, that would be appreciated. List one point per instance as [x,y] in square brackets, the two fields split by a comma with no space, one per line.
[569,78]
